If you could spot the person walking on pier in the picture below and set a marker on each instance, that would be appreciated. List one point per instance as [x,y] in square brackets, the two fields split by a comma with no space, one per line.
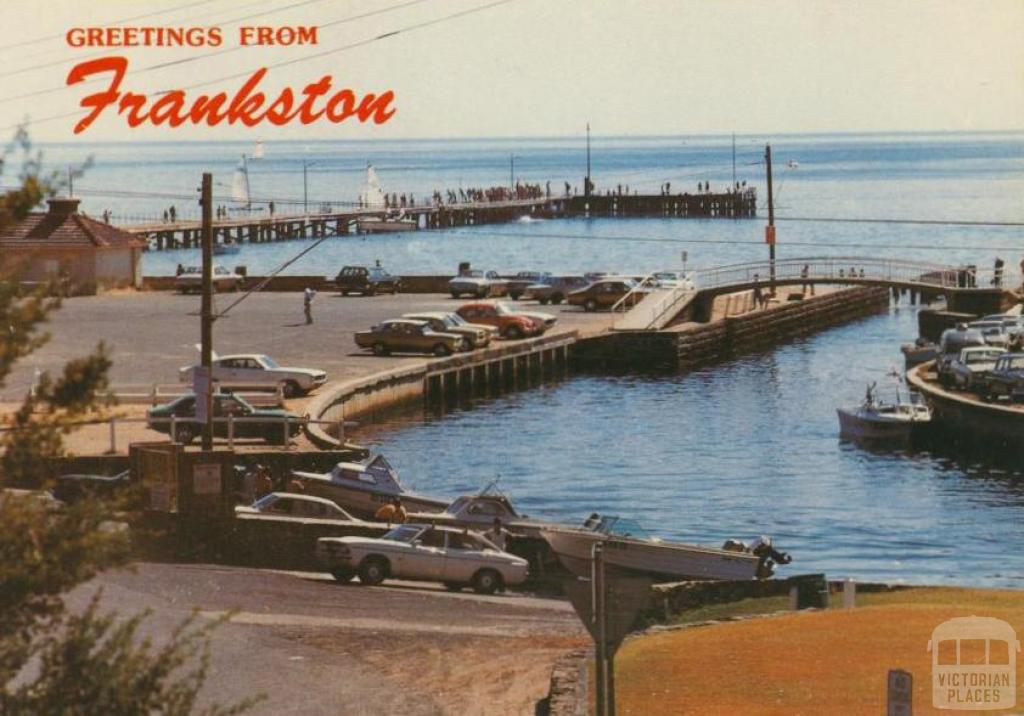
[173,213]
[307,304]
[997,273]
[804,272]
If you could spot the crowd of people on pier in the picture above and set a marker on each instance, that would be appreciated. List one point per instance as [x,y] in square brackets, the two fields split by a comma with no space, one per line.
[492,194]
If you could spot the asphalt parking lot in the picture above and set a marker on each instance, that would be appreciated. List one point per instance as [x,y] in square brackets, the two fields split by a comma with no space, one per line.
[150,335]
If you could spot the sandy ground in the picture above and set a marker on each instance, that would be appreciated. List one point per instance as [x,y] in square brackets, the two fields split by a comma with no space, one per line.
[317,647]
[828,662]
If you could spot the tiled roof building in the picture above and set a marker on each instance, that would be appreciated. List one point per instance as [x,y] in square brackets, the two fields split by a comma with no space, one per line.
[63,244]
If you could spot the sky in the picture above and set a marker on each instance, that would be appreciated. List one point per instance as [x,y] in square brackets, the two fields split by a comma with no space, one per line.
[465,68]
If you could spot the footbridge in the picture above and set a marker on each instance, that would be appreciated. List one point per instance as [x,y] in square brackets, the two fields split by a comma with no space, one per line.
[966,288]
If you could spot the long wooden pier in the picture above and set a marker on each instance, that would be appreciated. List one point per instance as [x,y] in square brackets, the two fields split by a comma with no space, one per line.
[282,227]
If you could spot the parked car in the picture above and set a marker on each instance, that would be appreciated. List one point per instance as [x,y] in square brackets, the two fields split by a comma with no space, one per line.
[423,552]
[511,324]
[477,336]
[972,366]
[1005,379]
[404,335]
[992,332]
[249,422]
[287,504]
[367,281]
[1012,323]
[672,279]
[191,280]
[477,283]
[605,293]
[256,370]
[73,487]
[517,285]
[555,288]
[951,342]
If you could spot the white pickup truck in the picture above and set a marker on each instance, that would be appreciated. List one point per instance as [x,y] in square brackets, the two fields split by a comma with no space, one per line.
[259,371]
[455,557]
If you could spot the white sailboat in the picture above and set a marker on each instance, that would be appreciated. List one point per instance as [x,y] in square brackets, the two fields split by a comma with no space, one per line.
[258,151]
[373,197]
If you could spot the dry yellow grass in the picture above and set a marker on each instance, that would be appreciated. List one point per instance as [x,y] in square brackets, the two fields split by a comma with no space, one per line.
[814,663]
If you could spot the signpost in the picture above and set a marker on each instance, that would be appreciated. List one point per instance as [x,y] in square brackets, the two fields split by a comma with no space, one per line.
[607,604]
[900,693]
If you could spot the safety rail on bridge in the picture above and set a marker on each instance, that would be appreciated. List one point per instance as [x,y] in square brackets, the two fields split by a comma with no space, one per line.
[657,308]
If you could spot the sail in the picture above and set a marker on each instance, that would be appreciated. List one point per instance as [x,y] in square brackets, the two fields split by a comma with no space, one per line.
[373,194]
[240,182]
[258,151]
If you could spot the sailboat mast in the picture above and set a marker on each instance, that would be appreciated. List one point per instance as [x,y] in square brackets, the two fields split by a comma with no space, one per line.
[248,193]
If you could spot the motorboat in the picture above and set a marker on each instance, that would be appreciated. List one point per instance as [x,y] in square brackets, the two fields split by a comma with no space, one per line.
[920,351]
[225,249]
[388,220]
[879,420]
[628,546]
[363,487]
[479,512]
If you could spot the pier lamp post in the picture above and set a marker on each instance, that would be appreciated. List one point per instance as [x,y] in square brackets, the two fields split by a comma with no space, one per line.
[512,173]
[306,164]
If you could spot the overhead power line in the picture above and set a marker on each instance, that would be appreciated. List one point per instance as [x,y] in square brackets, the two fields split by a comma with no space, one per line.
[206,55]
[304,58]
[37,40]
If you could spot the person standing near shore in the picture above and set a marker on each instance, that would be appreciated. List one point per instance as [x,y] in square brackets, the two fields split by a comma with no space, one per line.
[307,304]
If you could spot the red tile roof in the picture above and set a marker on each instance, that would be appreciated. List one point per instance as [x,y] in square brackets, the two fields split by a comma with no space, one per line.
[62,227]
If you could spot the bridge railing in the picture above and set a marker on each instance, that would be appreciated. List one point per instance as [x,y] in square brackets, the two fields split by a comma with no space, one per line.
[850,269]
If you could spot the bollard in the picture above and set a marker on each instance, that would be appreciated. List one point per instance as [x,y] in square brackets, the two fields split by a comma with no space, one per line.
[174,428]
[794,598]
[849,593]
[113,436]
[231,431]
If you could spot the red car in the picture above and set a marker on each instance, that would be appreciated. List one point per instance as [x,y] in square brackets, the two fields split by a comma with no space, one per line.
[509,323]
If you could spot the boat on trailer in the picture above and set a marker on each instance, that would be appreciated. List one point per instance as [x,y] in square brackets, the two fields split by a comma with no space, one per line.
[627,545]
[363,487]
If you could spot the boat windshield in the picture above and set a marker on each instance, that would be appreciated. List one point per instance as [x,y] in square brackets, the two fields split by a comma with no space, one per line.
[405,533]
[983,356]
[618,526]
[269,362]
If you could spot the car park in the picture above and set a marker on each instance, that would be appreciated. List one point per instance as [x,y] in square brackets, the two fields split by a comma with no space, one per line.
[605,293]
[973,365]
[286,504]
[405,336]
[231,414]
[190,280]
[1006,379]
[476,336]
[455,557]
[992,332]
[555,288]
[257,370]
[517,285]
[511,324]
[475,282]
[368,281]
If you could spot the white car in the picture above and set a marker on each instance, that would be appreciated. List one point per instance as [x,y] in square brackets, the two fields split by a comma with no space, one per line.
[455,557]
[191,279]
[477,283]
[288,504]
[254,370]
[673,279]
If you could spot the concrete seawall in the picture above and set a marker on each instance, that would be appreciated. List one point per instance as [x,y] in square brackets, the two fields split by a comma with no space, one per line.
[508,366]
[691,345]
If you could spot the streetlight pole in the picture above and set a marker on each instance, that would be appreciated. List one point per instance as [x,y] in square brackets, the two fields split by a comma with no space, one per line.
[511,173]
[769,234]
[206,311]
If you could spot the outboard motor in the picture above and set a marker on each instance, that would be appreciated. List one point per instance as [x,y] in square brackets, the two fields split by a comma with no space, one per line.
[763,549]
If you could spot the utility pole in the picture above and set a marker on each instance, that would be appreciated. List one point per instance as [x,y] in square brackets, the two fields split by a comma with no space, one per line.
[305,190]
[734,161]
[511,173]
[71,182]
[769,232]
[206,312]
[586,182]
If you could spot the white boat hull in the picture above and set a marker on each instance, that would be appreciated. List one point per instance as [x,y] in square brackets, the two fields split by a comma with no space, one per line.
[365,501]
[662,560]
[381,226]
[859,424]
